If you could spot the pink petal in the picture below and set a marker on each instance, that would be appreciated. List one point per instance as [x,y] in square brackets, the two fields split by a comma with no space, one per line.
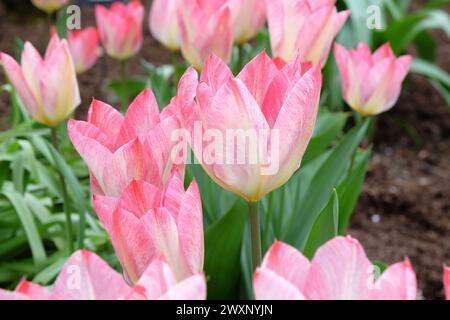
[190,228]
[132,244]
[215,73]
[162,229]
[32,291]
[288,263]
[398,282]
[15,75]
[192,288]
[340,270]
[142,115]
[85,276]
[270,286]
[257,76]
[106,118]
[140,197]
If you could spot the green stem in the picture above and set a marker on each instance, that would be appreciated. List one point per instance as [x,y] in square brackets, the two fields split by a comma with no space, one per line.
[123,77]
[69,232]
[240,62]
[255,233]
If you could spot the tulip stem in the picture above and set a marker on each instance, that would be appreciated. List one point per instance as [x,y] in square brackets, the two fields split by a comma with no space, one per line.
[123,78]
[69,232]
[255,233]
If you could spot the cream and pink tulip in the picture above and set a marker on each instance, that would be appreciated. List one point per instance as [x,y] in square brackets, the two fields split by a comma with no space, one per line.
[277,103]
[120,28]
[120,149]
[48,87]
[85,48]
[85,276]
[248,18]
[49,6]
[340,270]
[371,83]
[163,22]
[303,27]
[205,29]
[146,222]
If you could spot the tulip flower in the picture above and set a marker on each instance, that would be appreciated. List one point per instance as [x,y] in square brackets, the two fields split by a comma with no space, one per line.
[205,28]
[303,27]
[163,22]
[48,87]
[265,102]
[49,6]
[120,149]
[84,47]
[120,28]
[85,276]
[371,83]
[447,282]
[145,223]
[339,270]
[248,18]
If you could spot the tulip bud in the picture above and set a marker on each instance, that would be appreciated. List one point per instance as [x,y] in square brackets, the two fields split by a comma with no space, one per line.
[49,6]
[371,83]
[205,29]
[303,27]
[163,22]
[120,28]
[84,47]
[48,87]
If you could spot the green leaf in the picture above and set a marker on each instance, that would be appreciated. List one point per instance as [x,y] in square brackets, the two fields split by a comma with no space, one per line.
[129,88]
[222,253]
[430,70]
[325,227]
[29,225]
[75,190]
[350,189]
[328,126]
[317,193]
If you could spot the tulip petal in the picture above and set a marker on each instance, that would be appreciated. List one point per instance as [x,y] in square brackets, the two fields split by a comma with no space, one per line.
[270,286]
[288,263]
[398,282]
[85,276]
[192,288]
[106,118]
[340,270]
[32,291]
[447,282]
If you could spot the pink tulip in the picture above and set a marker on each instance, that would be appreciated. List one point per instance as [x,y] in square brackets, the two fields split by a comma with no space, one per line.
[304,27]
[48,87]
[248,18]
[145,223]
[163,22]
[84,47]
[447,282]
[49,6]
[205,28]
[371,83]
[120,28]
[275,104]
[85,276]
[120,149]
[339,270]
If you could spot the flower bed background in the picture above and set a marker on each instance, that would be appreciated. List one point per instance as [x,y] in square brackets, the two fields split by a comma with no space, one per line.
[404,208]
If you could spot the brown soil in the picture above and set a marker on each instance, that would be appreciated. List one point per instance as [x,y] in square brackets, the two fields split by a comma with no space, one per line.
[408,184]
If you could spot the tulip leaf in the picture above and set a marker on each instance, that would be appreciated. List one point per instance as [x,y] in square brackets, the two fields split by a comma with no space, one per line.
[75,190]
[350,189]
[328,126]
[316,194]
[29,225]
[325,227]
[223,241]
